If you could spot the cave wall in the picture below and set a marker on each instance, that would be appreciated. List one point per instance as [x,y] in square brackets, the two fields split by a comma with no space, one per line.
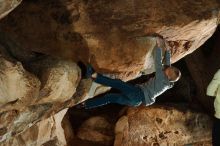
[116,37]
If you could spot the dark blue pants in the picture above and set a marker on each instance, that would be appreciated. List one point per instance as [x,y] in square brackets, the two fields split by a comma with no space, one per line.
[216,132]
[129,95]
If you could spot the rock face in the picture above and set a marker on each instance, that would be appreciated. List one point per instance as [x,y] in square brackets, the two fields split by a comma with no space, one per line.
[6,6]
[96,129]
[59,79]
[47,132]
[115,36]
[27,98]
[16,83]
[162,125]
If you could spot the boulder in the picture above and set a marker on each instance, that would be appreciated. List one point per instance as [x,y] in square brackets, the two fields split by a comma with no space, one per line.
[114,36]
[6,6]
[45,132]
[59,79]
[96,129]
[162,125]
[117,37]
[18,86]
[28,98]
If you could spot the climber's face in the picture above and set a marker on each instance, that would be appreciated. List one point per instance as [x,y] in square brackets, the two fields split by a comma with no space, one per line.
[172,73]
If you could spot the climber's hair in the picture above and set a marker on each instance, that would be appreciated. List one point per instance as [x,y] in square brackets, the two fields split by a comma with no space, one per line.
[175,75]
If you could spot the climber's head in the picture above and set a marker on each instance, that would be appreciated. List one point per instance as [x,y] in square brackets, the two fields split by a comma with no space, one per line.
[172,73]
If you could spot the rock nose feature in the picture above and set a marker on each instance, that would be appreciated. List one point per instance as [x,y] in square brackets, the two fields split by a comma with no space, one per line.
[114,35]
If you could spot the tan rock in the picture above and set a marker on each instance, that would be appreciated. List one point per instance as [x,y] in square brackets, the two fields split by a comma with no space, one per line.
[116,36]
[59,82]
[59,79]
[68,130]
[6,6]
[112,34]
[44,132]
[96,129]
[6,118]
[17,84]
[162,125]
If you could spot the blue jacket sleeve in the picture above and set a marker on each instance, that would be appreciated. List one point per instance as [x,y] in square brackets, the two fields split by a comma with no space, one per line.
[158,59]
[159,68]
[167,57]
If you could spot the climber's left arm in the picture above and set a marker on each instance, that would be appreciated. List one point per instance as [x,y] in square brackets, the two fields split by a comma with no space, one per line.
[167,57]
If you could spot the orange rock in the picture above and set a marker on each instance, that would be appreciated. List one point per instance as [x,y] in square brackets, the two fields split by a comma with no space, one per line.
[162,125]
[47,131]
[112,34]
[96,129]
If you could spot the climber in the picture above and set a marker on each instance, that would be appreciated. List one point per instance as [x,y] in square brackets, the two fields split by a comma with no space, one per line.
[213,89]
[134,95]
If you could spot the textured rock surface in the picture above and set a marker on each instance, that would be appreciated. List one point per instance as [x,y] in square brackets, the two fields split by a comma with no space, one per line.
[39,98]
[162,125]
[45,132]
[16,83]
[96,129]
[23,101]
[68,130]
[59,79]
[6,6]
[112,34]
[116,37]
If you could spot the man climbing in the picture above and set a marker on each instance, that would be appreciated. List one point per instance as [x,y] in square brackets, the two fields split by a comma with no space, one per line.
[134,95]
[213,89]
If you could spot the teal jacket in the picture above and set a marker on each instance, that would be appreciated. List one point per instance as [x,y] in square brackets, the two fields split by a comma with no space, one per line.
[160,83]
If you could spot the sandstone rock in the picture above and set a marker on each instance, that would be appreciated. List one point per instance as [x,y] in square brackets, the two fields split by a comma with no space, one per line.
[162,125]
[96,129]
[11,49]
[47,131]
[68,130]
[23,103]
[59,79]
[114,35]
[55,75]
[6,6]
[6,118]
[23,120]
[17,85]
